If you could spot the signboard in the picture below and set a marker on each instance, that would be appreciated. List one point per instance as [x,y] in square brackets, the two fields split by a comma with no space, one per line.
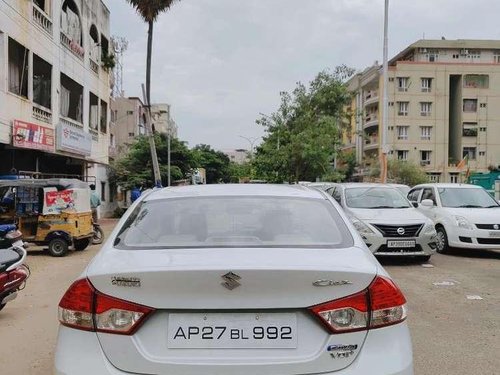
[33,136]
[73,140]
[54,202]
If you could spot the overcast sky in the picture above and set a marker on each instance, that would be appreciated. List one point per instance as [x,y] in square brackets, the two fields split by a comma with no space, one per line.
[221,62]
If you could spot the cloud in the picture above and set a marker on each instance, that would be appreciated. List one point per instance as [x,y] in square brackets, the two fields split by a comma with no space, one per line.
[221,62]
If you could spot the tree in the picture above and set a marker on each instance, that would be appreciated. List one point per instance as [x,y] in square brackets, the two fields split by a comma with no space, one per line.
[216,163]
[136,168]
[402,172]
[302,136]
[149,10]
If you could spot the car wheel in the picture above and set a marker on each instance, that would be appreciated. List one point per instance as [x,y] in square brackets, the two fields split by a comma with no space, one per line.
[81,244]
[58,247]
[442,241]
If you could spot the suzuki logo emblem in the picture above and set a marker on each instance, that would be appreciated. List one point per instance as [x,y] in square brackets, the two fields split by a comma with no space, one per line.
[230,280]
[401,231]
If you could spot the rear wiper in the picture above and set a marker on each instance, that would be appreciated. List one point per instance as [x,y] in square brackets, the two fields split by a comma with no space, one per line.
[375,207]
[470,206]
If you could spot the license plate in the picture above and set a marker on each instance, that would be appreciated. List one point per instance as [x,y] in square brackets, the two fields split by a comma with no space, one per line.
[401,244]
[227,330]
[495,234]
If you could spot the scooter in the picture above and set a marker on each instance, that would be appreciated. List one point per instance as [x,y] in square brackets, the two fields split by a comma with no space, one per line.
[98,236]
[13,271]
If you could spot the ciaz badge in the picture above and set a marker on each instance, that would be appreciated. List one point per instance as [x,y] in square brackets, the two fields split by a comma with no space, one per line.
[341,351]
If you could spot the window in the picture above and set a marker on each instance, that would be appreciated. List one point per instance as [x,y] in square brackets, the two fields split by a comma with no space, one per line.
[403,108]
[425,157]
[474,54]
[250,222]
[425,108]
[482,105]
[426,84]
[432,56]
[470,105]
[403,83]
[112,140]
[391,104]
[71,99]
[374,198]
[425,133]
[94,43]
[104,117]
[454,178]
[434,177]
[104,46]
[496,56]
[469,153]
[469,129]
[402,132]
[93,112]
[42,82]
[391,79]
[456,55]
[482,153]
[428,193]
[103,191]
[402,155]
[70,22]
[112,191]
[131,134]
[130,112]
[18,68]
[482,129]
[476,81]
[413,195]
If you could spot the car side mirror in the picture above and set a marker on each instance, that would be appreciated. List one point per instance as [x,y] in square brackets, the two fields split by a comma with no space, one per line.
[427,203]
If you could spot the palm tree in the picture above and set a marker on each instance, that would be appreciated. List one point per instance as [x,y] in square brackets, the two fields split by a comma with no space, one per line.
[149,10]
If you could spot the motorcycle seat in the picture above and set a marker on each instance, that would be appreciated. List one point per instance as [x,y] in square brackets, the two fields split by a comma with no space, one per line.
[7,258]
[6,228]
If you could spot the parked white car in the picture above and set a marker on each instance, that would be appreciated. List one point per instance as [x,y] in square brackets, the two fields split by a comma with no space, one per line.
[234,279]
[386,220]
[465,216]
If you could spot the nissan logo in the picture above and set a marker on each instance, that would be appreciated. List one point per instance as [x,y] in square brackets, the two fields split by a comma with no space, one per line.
[495,226]
[401,231]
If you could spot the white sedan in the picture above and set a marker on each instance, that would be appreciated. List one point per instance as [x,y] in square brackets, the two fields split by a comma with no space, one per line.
[234,279]
[465,216]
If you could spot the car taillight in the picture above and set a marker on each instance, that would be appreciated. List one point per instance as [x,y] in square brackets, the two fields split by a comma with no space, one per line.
[380,305]
[83,307]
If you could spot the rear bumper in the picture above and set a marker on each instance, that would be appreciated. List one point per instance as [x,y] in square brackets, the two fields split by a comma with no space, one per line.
[386,351]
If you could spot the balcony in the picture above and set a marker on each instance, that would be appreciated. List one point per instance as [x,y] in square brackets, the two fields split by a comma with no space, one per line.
[94,133]
[42,114]
[371,97]
[72,46]
[371,119]
[469,132]
[70,122]
[94,66]
[41,19]
[371,143]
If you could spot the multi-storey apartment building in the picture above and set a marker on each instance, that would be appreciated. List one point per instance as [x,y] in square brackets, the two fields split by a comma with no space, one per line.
[162,120]
[444,105]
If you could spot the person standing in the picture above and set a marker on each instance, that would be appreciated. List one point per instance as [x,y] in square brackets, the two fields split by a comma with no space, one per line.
[95,202]
[135,194]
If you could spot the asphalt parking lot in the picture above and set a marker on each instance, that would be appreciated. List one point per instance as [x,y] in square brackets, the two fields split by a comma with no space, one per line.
[454,312]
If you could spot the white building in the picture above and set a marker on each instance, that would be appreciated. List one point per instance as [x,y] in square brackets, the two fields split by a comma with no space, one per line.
[54,86]
[162,119]
[238,156]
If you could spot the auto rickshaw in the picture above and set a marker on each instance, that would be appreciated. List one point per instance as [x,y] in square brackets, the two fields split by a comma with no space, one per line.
[51,212]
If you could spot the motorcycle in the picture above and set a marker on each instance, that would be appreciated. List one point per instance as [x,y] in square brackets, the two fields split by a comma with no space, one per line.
[13,271]
[98,236]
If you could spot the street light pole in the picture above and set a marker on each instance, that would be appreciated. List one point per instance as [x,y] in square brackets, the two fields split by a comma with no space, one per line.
[385,107]
[252,141]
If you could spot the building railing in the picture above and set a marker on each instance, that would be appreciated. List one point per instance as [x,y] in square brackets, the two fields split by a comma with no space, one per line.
[70,122]
[94,133]
[42,114]
[71,45]
[42,19]
[94,66]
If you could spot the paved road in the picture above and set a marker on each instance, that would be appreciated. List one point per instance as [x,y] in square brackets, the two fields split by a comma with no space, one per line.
[451,334]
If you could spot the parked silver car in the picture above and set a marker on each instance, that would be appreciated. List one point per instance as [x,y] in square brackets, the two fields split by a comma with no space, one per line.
[386,220]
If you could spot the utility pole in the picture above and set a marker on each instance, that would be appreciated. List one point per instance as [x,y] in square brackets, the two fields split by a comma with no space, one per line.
[151,137]
[385,107]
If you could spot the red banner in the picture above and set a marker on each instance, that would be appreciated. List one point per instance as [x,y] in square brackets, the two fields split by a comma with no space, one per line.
[28,135]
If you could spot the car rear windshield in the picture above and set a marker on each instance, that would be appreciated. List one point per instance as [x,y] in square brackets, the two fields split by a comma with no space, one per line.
[466,198]
[234,222]
[375,197]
